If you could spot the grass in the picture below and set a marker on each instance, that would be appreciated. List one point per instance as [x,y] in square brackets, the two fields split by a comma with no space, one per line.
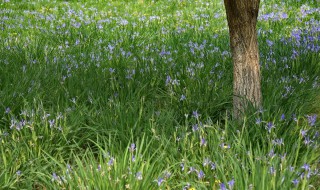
[138,95]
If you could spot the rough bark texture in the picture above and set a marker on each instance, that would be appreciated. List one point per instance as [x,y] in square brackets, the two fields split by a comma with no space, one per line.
[242,19]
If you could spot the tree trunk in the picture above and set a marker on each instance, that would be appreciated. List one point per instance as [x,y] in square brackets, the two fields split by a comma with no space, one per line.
[242,19]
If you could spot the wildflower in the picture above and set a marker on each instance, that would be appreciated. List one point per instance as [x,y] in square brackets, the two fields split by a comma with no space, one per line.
[195,127]
[283,117]
[203,142]
[182,167]
[55,177]
[283,157]
[7,110]
[206,161]
[307,141]
[213,166]
[284,15]
[316,135]
[18,173]
[201,174]
[139,176]
[272,170]
[168,80]
[306,167]
[231,183]
[68,168]
[175,82]
[269,126]
[270,43]
[261,110]
[183,97]
[303,132]
[278,142]
[111,70]
[258,121]
[132,147]
[195,114]
[191,169]
[133,158]
[223,186]
[111,161]
[291,168]
[224,146]
[51,123]
[167,174]
[312,119]
[294,117]
[187,187]
[159,181]
[295,182]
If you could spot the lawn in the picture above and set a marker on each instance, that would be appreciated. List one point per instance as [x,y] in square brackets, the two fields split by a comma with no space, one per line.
[138,95]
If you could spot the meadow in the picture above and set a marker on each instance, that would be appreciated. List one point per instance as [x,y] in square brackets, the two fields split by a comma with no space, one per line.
[138,95]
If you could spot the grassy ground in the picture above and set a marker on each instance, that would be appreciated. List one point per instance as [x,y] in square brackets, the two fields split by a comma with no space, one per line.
[138,95]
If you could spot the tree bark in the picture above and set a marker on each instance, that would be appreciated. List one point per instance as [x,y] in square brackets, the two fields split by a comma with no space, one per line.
[242,19]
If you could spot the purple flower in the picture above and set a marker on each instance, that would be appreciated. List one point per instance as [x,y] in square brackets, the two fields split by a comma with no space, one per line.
[312,119]
[195,114]
[201,174]
[295,182]
[195,127]
[133,158]
[55,177]
[224,146]
[186,187]
[111,161]
[294,117]
[272,170]
[51,123]
[278,142]
[316,135]
[231,183]
[306,167]
[291,168]
[18,173]
[203,142]
[271,153]
[223,186]
[159,181]
[167,174]
[269,126]
[270,43]
[258,121]
[132,147]
[182,166]
[283,117]
[192,169]
[68,168]
[7,110]
[206,162]
[183,97]
[303,132]
[284,15]
[283,157]
[168,80]
[213,166]
[111,70]
[139,176]
[307,140]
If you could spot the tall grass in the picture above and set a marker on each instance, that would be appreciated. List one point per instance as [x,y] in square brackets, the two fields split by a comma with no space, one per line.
[138,95]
